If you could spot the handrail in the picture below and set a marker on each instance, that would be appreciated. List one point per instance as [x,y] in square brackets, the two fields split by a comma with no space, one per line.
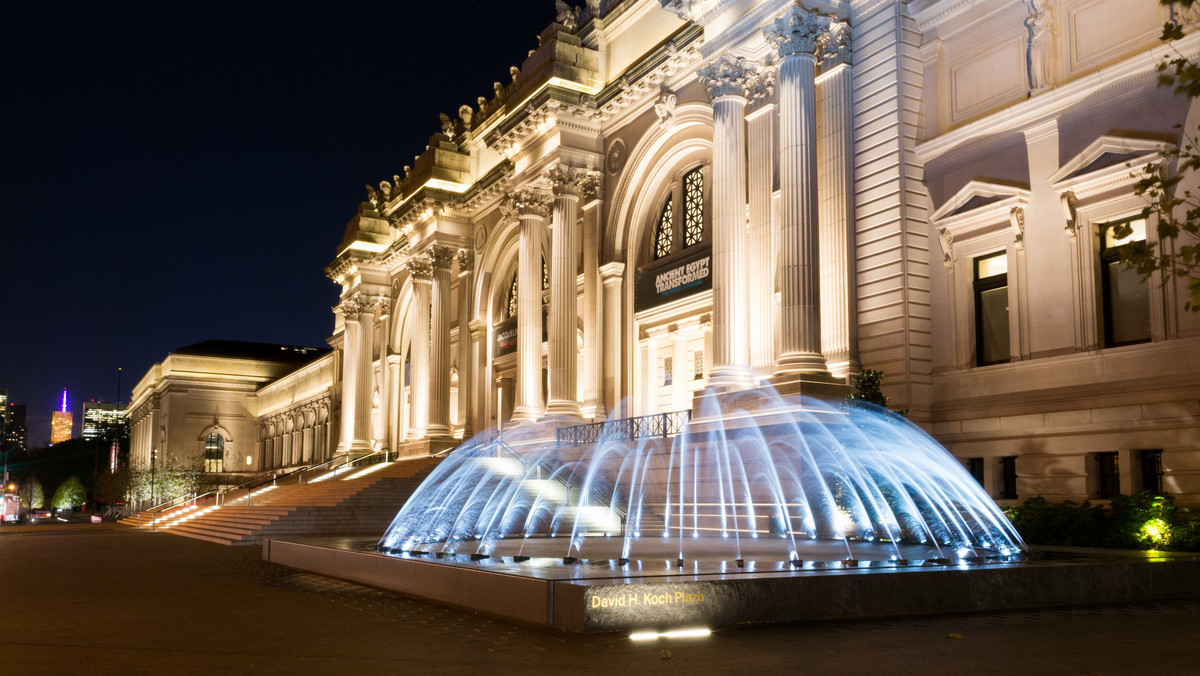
[654,425]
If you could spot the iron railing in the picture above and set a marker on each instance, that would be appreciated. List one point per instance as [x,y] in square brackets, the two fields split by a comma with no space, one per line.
[656,425]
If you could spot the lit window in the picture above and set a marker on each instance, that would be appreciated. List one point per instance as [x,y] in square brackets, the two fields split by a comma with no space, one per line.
[698,366]
[214,453]
[662,233]
[668,371]
[991,310]
[1126,296]
[510,303]
[545,275]
[693,205]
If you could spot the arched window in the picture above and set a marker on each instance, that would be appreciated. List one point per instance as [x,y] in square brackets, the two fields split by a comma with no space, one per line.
[510,300]
[510,303]
[693,207]
[214,453]
[679,228]
[662,232]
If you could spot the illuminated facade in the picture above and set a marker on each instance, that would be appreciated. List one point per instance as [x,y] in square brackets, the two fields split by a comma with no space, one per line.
[15,433]
[669,195]
[104,420]
[204,403]
[61,424]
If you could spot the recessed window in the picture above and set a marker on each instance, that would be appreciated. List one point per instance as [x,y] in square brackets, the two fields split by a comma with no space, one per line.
[693,204]
[698,365]
[1126,296]
[510,299]
[668,371]
[975,467]
[663,231]
[680,222]
[1152,470]
[1008,477]
[1108,474]
[214,453]
[991,310]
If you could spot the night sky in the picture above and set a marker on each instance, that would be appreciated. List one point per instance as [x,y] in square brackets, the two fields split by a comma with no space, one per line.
[179,171]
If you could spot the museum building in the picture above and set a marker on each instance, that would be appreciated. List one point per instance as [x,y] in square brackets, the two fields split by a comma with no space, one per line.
[673,195]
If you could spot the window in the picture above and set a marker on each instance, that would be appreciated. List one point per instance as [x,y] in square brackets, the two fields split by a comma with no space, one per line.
[693,206]
[1126,297]
[662,232]
[991,310]
[1108,473]
[214,453]
[1152,471]
[668,371]
[698,366]
[510,299]
[676,229]
[1008,477]
[510,303]
[975,467]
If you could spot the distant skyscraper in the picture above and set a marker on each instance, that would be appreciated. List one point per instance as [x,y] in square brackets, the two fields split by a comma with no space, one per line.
[61,422]
[104,418]
[3,414]
[16,432]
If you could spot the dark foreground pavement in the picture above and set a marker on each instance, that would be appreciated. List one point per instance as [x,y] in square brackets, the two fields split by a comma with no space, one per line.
[107,599]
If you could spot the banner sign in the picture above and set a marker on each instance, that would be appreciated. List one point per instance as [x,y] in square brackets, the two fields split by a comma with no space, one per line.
[505,335]
[668,281]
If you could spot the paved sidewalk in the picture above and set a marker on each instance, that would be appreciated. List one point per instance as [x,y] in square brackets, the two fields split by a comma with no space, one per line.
[107,599]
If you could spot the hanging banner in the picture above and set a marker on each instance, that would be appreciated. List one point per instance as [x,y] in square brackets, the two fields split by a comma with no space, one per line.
[679,277]
[505,335]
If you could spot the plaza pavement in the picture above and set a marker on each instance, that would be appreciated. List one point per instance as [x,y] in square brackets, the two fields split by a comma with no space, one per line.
[108,599]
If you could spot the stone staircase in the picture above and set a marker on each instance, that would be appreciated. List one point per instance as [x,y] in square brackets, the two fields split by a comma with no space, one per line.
[350,501]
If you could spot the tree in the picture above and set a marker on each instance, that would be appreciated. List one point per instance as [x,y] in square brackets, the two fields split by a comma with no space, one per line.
[868,387]
[32,495]
[70,493]
[1172,203]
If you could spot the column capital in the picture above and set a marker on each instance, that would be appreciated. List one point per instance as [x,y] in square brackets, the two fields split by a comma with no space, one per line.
[421,269]
[798,31]
[528,202]
[835,49]
[729,75]
[566,180]
[440,257]
[355,306]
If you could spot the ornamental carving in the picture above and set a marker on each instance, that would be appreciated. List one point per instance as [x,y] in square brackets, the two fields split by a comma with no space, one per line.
[664,108]
[420,268]
[798,31]
[566,180]
[1070,213]
[591,186]
[1016,220]
[614,160]
[527,202]
[835,48]
[465,260]
[441,257]
[946,239]
[728,75]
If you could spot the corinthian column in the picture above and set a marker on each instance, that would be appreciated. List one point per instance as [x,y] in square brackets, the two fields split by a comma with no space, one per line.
[835,145]
[350,375]
[439,344]
[566,184]
[797,34]
[466,338]
[727,79]
[532,207]
[422,278]
[593,362]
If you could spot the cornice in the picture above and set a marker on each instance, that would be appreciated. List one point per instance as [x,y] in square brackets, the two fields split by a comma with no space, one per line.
[1139,67]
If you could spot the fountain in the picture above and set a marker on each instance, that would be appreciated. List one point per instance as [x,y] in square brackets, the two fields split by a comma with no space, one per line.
[754,507]
[754,481]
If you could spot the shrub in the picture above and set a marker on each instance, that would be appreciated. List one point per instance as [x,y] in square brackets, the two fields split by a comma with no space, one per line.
[69,494]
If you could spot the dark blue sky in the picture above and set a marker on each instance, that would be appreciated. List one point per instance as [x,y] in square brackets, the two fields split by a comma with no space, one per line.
[179,171]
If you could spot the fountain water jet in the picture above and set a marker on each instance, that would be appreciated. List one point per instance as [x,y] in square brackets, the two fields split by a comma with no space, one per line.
[754,476]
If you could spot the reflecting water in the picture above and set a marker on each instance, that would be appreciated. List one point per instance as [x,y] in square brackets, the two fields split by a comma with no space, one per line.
[754,476]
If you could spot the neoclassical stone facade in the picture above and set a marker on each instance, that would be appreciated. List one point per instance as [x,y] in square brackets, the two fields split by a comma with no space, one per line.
[669,195]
